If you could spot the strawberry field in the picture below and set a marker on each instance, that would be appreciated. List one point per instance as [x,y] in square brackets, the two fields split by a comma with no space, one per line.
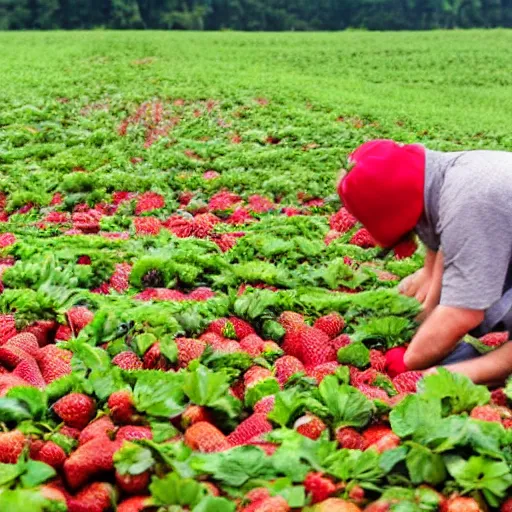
[190,320]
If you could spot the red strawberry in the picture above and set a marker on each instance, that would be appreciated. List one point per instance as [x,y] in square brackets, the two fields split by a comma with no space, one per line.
[318,487]
[336,505]
[321,371]
[363,239]
[154,360]
[378,506]
[29,371]
[495,339]
[331,324]
[96,497]
[265,405]
[341,341]
[275,504]
[133,432]
[72,433]
[89,460]
[486,413]
[376,432]
[51,454]
[498,397]
[189,350]
[43,330]
[135,504]
[242,328]
[460,504]
[120,280]
[251,428]
[78,318]
[133,484]
[122,407]
[64,333]
[289,320]
[206,438]
[149,201]
[10,357]
[9,381]
[405,249]
[342,221]
[316,347]
[53,364]
[201,294]
[252,344]
[406,382]
[310,426]
[350,438]
[507,506]
[99,428]
[292,343]
[75,409]
[127,361]
[331,235]
[7,328]
[255,375]
[218,326]
[195,414]
[257,494]
[372,392]
[147,225]
[271,349]
[381,438]
[286,367]
[52,493]
[11,446]
[377,360]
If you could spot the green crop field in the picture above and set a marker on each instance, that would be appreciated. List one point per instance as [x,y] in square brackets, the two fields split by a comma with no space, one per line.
[176,269]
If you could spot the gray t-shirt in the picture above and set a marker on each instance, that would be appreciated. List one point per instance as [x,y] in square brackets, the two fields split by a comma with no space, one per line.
[468,215]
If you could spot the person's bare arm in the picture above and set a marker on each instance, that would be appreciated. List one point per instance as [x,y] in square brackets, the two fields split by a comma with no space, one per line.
[439,335]
[493,369]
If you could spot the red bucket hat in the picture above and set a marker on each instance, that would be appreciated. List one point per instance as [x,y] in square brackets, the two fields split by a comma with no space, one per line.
[384,190]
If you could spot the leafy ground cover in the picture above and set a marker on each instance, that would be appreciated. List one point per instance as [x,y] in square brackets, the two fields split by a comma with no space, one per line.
[190,319]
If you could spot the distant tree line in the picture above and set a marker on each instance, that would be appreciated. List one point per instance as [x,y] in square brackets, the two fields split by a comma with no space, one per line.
[254,14]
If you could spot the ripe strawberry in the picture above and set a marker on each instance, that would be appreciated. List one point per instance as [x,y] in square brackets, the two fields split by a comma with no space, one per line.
[147,225]
[507,506]
[363,239]
[405,249]
[257,494]
[75,409]
[24,341]
[64,333]
[460,504]
[195,414]
[342,221]
[255,375]
[336,505]
[155,360]
[99,428]
[331,324]
[372,392]
[89,460]
[133,484]
[43,330]
[486,413]
[318,487]
[29,371]
[252,344]
[7,239]
[133,432]
[53,364]
[97,497]
[310,426]
[10,357]
[7,328]
[340,341]
[271,350]
[135,504]
[292,345]
[495,339]
[189,350]
[78,318]
[11,445]
[379,506]
[206,438]
[499,398]
[377,360]
[51,454]
[122,407]
[120,280]
[265,405]
[321,371]
[72,433]
[9,381]
[275,504]
[127,361]
[52,493]
[148,202]
[406,382]
[350,438]
[287,366]
[241,327]
[289,320]
[253,427]
[376,432]
[201,294]
[384,442]
[316,347]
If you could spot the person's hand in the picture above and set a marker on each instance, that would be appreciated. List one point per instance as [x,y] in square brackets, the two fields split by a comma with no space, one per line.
[416,285]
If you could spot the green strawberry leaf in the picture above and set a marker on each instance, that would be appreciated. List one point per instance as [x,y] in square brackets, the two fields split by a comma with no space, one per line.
[162,431]
[424,466]
[11,472]
[205,387]
[390,458]
[34,398]
[356,354]
[36,473]
[13,410]
[106,382]
[212,504]
[174,490]
[260,390]
[133,459]
[144,341]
